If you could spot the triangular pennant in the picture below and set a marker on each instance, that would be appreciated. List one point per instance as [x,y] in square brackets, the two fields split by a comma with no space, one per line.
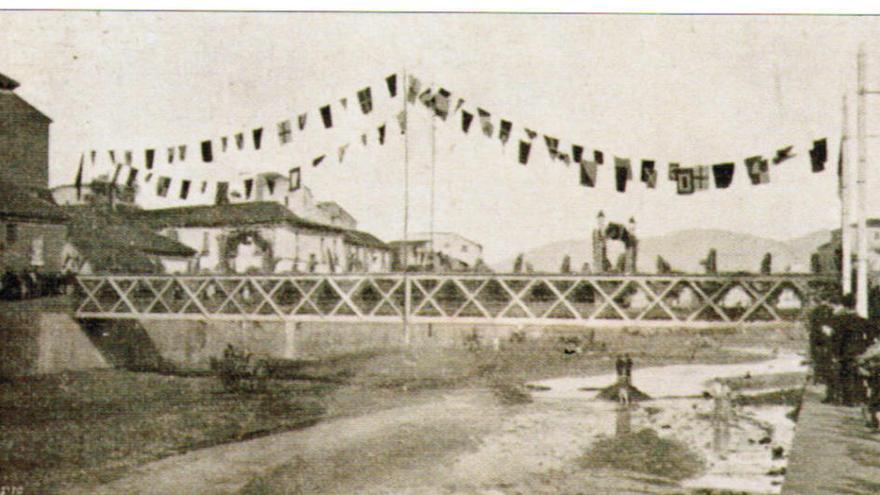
[365,98]
[128,158]
[504,131]
[344,102]
[588,173]
[257,134]
[317,161]
[224,143]
[248,187]
[723,173]
[819,155]
[598,157]
[341,152]
[401,121]
[524,148]
[181,152]
[466,119]
[552,146]
[685,180]
[577,153]
[441,103]
[413,90]
[391,83]
[783,154]
[163,186]
[364,139]
[184,189]
[382,134]
[301,120]
[239,140]
[149,156]
[622,173]
[207,155]
[647,170]
[327,116]
[285,133]
[293,179]
[486,122]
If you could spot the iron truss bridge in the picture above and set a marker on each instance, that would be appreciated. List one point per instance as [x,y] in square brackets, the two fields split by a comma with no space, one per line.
[622,300]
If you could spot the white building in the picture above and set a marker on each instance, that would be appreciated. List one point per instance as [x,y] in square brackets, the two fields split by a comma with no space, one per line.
[454,252]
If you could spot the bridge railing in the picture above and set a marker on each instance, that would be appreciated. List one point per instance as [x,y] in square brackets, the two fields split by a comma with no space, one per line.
[628,300]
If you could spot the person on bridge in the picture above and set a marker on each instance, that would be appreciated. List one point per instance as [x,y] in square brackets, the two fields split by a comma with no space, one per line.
[627,369]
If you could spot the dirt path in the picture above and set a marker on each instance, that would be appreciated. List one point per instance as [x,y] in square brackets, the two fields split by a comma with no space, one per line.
[444,425]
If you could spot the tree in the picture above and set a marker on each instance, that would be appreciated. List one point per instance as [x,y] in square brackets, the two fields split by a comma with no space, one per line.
[767,264]
[518,263]
[566,265]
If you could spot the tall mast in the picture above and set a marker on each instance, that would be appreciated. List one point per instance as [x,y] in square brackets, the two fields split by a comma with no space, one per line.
[861,194]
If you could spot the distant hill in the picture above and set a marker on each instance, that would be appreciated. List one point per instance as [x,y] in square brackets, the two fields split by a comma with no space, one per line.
[684,250]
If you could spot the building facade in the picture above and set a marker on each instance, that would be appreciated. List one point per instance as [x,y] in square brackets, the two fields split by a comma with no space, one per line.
[828,257]
[447,250]
[24,139]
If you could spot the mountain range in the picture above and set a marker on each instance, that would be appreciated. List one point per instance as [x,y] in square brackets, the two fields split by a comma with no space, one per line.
[684,250]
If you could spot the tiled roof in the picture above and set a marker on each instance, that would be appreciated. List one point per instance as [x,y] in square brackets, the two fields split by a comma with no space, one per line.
[359,238]
[96,231]
[28,204]
[229,215]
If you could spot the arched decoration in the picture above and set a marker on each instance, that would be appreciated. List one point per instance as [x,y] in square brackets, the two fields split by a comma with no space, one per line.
[230,242]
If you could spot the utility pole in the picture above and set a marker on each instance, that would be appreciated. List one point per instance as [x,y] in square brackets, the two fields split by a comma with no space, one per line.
[407,303]
[434,257]
[861,193]
[845,203]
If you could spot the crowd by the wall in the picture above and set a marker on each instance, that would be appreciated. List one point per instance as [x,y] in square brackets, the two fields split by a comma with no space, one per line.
[31,284]
[839,339]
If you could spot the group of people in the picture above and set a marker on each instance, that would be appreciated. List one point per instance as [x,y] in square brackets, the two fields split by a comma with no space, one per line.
[624,365]
[838,340]
[30,284]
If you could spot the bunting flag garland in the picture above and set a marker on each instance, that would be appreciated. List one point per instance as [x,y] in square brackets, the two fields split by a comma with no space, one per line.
[414,87]
[531,134]
[466,118]
[327,116]
[391,83]
[365,97]
[79,178]
[441,103]
[783,154]
[285,134]
[723,173]
[588,173]
[458,105]
[293,179]
[207,154]
[622,173]
[598,157]
[577,153]
[184,189]
[485,122]
[382,134]
[552,146]
[401,121]
[162,186]
[224,143]
[341,152]
[301,121]
[564,158]
[149,156]
[317,161]
[684,178]
[181,152]
[248,187]
[525,148]
[239,140]
[427,98]
[221,197]
[116,174]
[504,131]
[819,154]
[758,170]
[701,178]
[257,134]
[672,172]
[132,177]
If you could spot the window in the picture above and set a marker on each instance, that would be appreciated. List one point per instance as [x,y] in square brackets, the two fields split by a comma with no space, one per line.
[11,233]
[37,251]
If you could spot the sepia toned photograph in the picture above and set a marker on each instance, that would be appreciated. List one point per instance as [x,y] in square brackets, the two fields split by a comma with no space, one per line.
[441,253]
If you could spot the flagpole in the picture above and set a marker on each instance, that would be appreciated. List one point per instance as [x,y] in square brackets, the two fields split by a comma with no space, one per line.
[406,282]
[845,234]
[433,174]
[861,193]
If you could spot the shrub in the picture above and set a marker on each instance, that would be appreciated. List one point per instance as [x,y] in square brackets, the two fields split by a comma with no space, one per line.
[239,371]
[644,452]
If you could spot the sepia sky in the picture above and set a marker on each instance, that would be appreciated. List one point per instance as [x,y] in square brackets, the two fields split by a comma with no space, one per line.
[688,89]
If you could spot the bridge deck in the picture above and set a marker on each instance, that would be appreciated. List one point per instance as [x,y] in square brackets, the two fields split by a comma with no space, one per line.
[626,300]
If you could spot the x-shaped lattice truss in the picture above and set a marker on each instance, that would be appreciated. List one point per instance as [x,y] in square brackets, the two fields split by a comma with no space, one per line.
[534,298]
